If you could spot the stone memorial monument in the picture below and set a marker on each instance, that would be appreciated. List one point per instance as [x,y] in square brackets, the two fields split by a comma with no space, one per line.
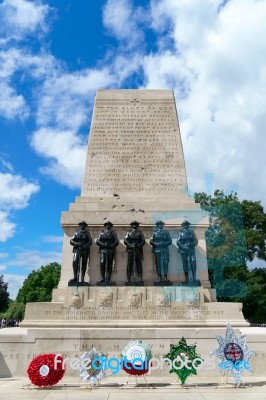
[135,171]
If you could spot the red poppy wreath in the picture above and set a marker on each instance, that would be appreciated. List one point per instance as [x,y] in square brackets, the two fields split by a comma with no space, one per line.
[42,370]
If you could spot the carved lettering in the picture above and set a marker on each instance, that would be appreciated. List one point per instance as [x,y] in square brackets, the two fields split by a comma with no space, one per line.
[134,147]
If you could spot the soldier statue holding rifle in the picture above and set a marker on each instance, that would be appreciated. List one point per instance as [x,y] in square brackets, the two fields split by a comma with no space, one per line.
[186,243]
[81,242]
[107,242]
[134,242]
[160,242]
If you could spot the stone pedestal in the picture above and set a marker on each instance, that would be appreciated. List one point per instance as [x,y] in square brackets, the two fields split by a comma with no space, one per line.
[172,306]
[20,345]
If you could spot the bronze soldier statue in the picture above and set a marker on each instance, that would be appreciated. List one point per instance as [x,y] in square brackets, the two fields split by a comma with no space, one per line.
[134,241]
[186,243]
[160,242]
[81,242]
[107,242]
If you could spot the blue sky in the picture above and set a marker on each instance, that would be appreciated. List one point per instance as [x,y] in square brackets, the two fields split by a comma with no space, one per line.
[55,54]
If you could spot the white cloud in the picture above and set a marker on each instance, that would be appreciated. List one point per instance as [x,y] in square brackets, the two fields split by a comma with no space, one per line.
[217,68]
[19,18]
[211,53]
[7,228]
[15,193]
[22,17]
[11,104]
[124,66]
[63,109]
[123,21]
[64,98]
[166,70]
[66,151]
[41,65]
[18,61]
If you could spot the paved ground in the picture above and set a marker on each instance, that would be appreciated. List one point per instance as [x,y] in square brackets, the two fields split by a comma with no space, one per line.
[196,389]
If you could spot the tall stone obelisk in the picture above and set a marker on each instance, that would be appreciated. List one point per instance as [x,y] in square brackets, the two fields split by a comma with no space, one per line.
[135,170]
[135,146]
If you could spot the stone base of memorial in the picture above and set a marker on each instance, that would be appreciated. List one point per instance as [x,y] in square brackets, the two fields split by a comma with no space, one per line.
[162,306]
[107,318]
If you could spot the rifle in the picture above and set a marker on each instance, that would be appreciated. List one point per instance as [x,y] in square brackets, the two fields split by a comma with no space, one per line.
[78,264]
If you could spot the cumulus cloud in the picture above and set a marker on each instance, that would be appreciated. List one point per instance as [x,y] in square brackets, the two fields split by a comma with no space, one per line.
[62,100]
[21,17]
[65,98]
[62,112]
[124,21]
[17,19]
[20,61]
[66,152]
[7,228]
[15,194]
[15,191]
[11,104]
[215,65]
[14,59]
[211,53]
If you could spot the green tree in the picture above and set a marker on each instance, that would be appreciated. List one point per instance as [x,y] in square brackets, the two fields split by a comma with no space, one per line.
[237,233]
[225,239]
[4,295]
[246,217]
[15,311]
[254,304]
[255,228]
[39,284]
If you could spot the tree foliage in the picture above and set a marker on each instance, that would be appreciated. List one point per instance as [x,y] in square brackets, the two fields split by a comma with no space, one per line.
[15,311]
[254,301]
[4,295]
[237,234]
[39,284]
[228,215]
[255,228]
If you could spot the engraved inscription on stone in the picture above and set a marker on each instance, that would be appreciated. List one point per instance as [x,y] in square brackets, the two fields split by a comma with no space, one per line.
[134,145]
[134,312]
